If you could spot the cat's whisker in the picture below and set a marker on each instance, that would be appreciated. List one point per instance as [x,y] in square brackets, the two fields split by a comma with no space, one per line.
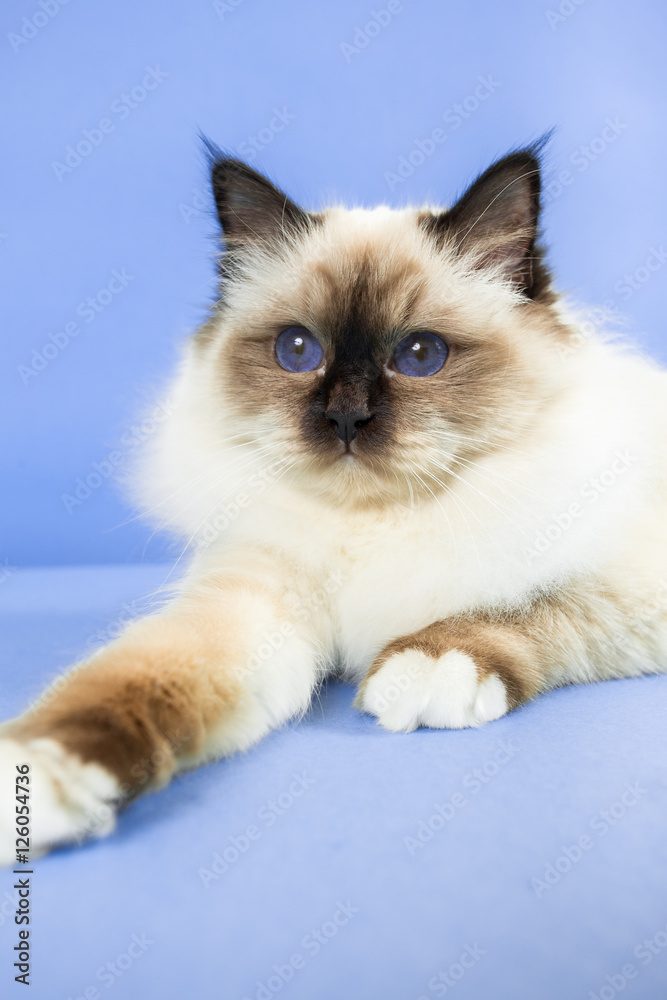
[489,500]
[494,483]
[469,441]
[185,486]
[163,524]
[496,504]
[194,534]
[234,469]
[461,508]
[456,457]
[225,474]
[444,513]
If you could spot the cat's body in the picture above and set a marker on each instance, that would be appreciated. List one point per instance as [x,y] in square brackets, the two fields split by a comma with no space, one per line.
[508,530]
[458,542]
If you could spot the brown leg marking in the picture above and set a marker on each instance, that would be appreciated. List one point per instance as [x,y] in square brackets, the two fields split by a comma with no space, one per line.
[495,648]
[138,705]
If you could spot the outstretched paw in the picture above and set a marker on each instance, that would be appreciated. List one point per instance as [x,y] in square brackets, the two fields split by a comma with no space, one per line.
[69,801]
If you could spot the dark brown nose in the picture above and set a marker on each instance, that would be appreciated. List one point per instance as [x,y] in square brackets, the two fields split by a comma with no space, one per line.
[347,424]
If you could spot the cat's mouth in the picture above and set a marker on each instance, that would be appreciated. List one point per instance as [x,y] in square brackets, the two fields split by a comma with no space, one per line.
[348,451]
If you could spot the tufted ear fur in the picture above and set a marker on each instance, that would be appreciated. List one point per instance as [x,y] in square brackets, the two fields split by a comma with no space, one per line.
[495,223]
[250,208]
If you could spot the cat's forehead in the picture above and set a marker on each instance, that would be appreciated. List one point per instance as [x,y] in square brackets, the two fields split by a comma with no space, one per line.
[384,243]
[369,269]
[364,271]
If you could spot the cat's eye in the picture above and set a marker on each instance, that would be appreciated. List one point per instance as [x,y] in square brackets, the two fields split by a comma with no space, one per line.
[298,350]
[420,354]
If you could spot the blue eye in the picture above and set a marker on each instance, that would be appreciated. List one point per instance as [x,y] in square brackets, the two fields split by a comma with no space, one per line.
[297,350]
[420,354]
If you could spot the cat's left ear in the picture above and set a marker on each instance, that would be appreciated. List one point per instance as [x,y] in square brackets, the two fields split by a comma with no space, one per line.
[495,222]
[251,209]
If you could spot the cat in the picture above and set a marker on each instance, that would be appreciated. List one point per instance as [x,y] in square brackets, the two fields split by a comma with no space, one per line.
[396,452]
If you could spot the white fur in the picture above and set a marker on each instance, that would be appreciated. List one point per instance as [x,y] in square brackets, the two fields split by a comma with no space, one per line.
[355,576]
[278,680]
[69,801]
[412,689]
[404,569]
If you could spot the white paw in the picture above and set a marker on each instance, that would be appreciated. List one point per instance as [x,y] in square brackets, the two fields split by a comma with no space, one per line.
[69,801]
[412,689]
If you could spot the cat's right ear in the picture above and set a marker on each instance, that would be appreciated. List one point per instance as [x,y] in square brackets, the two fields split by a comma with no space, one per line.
[251,209]
[495,222]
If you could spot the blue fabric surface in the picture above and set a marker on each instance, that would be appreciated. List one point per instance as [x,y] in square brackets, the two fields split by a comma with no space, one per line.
[327,853]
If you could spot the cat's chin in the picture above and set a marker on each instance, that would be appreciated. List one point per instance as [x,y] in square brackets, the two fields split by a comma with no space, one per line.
[351,480]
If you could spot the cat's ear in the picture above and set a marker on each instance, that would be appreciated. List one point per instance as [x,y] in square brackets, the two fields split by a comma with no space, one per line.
[495,222]
[251,210]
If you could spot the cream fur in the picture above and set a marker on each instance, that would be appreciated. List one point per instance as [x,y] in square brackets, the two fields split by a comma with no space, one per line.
[555,532]
[405,568]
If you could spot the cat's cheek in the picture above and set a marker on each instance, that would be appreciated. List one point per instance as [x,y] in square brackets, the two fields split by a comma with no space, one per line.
[69,801]
[412,689]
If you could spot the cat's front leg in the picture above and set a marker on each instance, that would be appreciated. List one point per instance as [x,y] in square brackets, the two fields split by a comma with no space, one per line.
[471,669]
[211,674]
[449,675]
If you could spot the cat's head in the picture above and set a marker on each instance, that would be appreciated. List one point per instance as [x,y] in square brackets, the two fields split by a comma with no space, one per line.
[373,351]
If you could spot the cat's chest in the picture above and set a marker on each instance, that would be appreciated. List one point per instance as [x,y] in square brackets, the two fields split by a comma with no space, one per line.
[395,576]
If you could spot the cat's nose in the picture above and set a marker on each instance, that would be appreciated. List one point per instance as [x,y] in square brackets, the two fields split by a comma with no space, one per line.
[347,424]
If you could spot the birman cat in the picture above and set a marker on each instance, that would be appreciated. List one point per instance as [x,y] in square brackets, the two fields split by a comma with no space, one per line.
[395,452]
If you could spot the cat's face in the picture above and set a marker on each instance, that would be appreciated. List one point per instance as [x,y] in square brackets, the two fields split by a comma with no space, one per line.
[376,350]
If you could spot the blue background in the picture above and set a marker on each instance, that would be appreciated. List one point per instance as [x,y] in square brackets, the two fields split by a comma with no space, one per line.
[138,203]
[129,205]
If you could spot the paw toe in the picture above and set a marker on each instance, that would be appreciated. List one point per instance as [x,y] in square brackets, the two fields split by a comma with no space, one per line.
[69,800]
[491,699]
[413,689]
